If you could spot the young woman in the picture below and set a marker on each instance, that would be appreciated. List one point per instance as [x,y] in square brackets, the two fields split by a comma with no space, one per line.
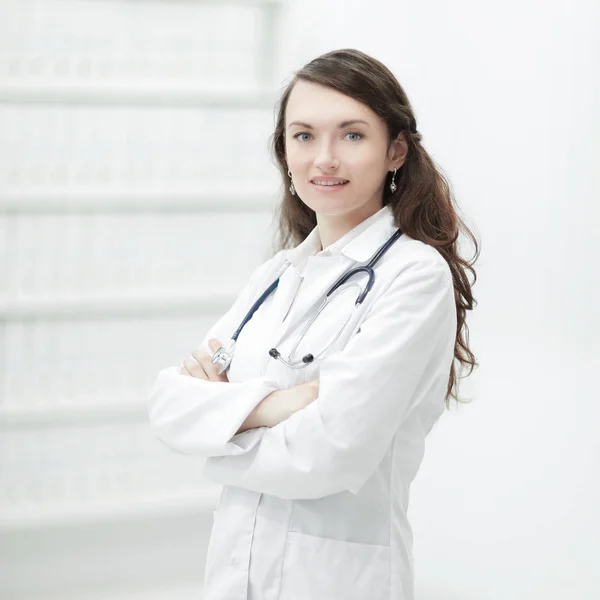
[312,396]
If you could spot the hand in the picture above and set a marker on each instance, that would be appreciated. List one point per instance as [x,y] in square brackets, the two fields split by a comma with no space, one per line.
[281,404]
[198,364]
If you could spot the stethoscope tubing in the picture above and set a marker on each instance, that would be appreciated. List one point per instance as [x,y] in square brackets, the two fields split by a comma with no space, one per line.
[223,356]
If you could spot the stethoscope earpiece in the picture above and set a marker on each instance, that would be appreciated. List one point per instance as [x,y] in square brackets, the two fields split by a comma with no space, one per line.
[274,353]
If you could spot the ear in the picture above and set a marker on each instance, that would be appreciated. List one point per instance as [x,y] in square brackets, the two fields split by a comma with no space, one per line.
[397,152]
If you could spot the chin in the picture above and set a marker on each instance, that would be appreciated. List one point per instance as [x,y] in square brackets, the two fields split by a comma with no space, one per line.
[331,206]
[330,211]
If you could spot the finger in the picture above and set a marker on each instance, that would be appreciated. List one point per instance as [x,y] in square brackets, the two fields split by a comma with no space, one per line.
[183,370]
[214,344]
[199,355]
[195,369]
[212,370]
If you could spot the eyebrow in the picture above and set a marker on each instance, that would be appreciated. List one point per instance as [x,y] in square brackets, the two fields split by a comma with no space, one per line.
[340,126]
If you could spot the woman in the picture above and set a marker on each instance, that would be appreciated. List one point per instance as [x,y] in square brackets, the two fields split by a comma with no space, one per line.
[317,433]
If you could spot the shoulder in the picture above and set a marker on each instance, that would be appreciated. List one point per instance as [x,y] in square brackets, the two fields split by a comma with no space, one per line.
[269,269]
[414,277]
[415,282]
[411,256]
[275,262]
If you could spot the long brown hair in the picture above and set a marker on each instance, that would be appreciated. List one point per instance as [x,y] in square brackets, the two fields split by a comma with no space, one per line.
[423,204]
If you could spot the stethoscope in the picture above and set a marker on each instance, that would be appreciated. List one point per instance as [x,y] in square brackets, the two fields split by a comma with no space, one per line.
[223,357]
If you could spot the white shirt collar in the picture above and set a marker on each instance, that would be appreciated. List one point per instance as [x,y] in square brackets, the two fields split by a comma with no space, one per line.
[359,244]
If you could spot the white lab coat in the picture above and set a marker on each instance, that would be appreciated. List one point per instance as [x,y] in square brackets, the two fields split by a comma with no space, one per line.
[315,508]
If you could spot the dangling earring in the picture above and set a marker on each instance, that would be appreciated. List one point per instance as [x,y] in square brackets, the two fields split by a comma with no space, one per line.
[291,188]
[393,186]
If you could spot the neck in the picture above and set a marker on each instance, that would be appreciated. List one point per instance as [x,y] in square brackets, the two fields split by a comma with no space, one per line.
[334,227]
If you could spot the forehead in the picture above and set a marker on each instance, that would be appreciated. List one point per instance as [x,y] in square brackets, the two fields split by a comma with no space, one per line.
[320,105]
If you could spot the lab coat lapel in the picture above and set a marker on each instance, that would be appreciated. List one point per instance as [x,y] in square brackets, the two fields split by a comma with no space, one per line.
[320,275]
[323,271]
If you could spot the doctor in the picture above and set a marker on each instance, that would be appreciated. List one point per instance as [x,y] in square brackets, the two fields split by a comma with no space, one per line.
[311,403]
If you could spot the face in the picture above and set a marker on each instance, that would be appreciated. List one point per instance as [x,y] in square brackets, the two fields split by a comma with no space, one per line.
[338,152]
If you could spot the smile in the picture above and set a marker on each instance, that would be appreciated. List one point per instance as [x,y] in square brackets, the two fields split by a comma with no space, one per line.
[318,182]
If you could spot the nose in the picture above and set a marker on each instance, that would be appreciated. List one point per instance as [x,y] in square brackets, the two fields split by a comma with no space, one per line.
[325,158]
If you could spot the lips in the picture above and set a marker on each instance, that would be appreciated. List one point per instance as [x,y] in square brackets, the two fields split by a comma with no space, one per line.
[329,182]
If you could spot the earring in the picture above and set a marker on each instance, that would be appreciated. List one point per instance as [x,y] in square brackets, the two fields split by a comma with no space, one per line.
[291,188]
[393,186]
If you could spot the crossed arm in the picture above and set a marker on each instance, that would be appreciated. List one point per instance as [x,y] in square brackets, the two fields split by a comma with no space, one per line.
[274,408]
[294,445]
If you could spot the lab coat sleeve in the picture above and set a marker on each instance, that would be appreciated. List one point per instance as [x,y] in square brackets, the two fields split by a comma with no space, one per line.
[199,417]
[366,391]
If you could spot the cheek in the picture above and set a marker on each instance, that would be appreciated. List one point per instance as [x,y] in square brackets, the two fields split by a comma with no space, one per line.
[363,155]
[366,167]
[297,156]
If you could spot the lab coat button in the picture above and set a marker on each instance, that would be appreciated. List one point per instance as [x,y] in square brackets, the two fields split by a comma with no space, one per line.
[235,561]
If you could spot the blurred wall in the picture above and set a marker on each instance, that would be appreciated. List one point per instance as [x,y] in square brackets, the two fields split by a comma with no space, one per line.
[136,196]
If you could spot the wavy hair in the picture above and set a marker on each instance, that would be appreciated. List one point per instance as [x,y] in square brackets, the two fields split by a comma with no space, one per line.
[423,204]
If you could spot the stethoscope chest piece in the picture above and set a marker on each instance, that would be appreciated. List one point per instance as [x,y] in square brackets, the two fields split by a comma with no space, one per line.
[222,357]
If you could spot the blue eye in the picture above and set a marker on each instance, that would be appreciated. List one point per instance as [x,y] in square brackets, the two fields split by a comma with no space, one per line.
[297,136]
[360,136]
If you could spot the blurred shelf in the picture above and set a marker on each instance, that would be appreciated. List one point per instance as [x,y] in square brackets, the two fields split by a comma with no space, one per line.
[157,94]
[66,414]
[109,306]
[195,501]
[209,200]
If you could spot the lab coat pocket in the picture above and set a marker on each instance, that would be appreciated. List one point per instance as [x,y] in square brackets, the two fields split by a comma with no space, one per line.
[316,567]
